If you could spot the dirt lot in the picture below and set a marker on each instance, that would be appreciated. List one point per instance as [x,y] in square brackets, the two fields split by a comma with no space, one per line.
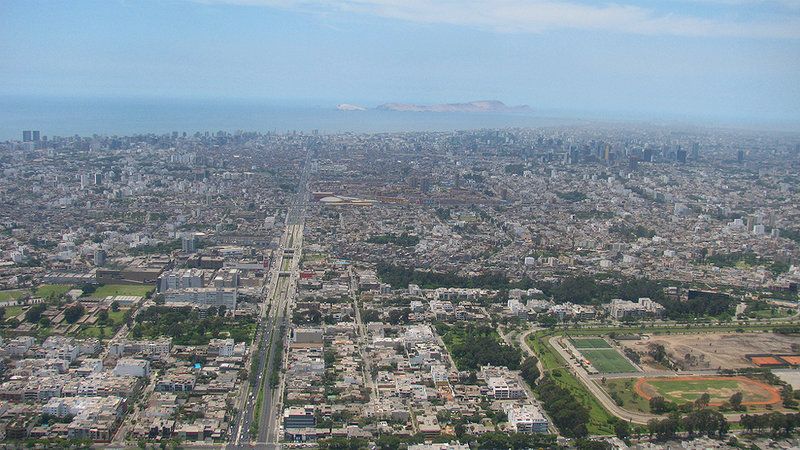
[713,350]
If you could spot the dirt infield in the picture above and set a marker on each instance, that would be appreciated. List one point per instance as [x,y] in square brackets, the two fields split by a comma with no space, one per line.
[688,389]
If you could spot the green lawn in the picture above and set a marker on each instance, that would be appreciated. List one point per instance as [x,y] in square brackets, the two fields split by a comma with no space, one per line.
[12,311]
[117,316]
[314,257]
[55,290]
[590,343]
[608,360]
[122,289]
[94,332]
[12,294]
[771,313]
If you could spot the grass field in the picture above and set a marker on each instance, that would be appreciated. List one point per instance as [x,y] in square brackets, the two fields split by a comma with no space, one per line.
[688,389]
[582,343]
[121,289]
[608,360]
[622,390]
[12,294]
[117,316]
[55,290]
[94,332]
[12,311]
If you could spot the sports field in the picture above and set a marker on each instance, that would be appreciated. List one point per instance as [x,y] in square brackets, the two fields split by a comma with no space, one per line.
[607,360]
[122,289]
[590,343]
[688,389]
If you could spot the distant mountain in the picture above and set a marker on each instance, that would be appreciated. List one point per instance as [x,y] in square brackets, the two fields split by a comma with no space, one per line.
[349,107]
[481,106]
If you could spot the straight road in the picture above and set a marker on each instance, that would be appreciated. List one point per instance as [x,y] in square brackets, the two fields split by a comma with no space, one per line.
[276,308]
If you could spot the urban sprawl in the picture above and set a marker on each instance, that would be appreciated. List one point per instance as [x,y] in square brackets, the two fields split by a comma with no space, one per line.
[589,286]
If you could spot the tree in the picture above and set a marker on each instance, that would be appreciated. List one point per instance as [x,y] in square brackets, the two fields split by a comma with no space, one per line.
[34,313]
[2,313]
[736,401]
[657,352]
[663,429]
[568,414]
[703,400]
[102,316]
[659,405]
[547,321]
[788,397]
[586,444]
[44,322]
[622,429]
[136,332]
[115,306]
[73,313]
[530,370]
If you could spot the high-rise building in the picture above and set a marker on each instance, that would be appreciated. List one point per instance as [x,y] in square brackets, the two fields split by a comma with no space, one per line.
[98,178]
[695,150]
[189,244]
[740,156]
[35,135]
[27,136]
[100,257]
[680,156]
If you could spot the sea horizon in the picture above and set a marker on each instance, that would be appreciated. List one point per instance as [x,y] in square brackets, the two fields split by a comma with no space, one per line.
[86,116]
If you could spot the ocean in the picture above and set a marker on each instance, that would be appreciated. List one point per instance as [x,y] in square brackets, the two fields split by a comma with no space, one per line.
[116,116]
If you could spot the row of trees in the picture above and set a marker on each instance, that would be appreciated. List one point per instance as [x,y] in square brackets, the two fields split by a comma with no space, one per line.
[711,305]
[400,277]
[701,422]
[494,440]
[775,423]
[568,414]
[402,240]
[593,290]
[529,370]
[579,289]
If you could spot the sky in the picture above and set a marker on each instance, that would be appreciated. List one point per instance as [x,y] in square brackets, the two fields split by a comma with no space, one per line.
[737,59]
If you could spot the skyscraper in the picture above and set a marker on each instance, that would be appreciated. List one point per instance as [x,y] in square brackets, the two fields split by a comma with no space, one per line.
[26,136]
[680,156]
[740,156]
[695,150]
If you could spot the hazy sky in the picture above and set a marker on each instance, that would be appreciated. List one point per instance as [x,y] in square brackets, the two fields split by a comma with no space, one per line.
[693,58]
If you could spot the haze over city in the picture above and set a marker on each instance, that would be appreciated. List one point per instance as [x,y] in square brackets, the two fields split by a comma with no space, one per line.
[679,59]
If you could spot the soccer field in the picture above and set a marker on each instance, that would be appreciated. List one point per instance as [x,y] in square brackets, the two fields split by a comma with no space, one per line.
[608,360]
[122,289]
[590,343]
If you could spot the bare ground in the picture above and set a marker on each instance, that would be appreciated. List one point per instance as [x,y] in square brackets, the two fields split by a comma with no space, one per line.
[714,350]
